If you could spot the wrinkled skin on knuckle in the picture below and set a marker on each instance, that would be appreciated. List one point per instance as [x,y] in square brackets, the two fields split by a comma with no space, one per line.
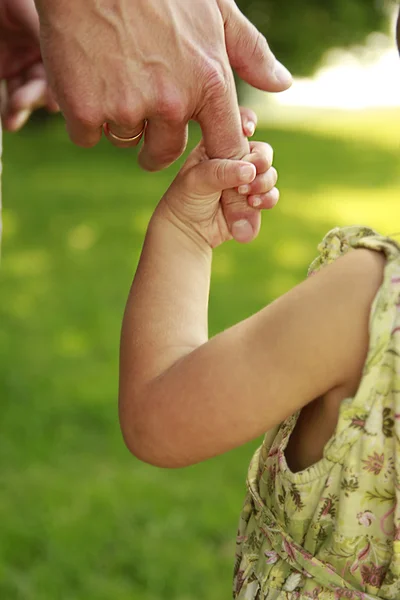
[217,80]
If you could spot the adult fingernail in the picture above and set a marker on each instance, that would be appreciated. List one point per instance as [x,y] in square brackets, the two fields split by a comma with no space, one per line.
[242,231]
[282,75]
[247,173]
[21,118]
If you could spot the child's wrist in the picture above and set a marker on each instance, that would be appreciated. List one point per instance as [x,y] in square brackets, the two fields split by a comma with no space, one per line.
[185,232]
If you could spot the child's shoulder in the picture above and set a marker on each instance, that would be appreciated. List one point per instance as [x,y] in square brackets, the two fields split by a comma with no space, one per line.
[341,240]
[358,259]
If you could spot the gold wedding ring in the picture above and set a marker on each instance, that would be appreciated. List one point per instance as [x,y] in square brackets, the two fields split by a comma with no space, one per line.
[122,140]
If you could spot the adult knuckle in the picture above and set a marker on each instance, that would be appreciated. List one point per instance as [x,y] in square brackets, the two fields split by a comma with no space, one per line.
[172,108]
[170,103]
[87,116]
[127,114]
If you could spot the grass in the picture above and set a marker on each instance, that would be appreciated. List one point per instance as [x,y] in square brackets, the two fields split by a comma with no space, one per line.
[80,518]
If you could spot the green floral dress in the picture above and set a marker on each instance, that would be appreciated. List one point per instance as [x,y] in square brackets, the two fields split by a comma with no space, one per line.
[332,531]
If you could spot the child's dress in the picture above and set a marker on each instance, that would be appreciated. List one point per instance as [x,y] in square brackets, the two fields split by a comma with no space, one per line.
[333,530]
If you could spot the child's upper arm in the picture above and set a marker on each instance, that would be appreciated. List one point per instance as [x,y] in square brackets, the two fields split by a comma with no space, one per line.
[252,376]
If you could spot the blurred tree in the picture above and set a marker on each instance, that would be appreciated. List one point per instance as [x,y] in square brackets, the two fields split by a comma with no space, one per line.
[301,31]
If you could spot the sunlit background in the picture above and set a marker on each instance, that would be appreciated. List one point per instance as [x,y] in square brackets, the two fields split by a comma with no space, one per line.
[361,78]
[80,518]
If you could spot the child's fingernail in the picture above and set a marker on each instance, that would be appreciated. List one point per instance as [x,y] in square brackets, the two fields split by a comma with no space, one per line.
[250,128]
[243,189]
[247,173]
[282,75]
[242,231]
[256,201]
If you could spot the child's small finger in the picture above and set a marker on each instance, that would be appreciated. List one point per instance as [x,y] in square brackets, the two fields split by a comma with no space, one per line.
[249,121]
[265,201]
[261,156]
[262,183]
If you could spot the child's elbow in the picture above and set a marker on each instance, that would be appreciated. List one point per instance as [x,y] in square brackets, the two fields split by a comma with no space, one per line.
[153,445]
[148,449]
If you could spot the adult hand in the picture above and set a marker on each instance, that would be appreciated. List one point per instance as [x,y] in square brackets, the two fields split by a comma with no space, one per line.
[193,202]
[20,63]
[168,61]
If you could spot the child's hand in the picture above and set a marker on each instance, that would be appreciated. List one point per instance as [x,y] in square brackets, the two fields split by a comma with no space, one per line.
[194,197]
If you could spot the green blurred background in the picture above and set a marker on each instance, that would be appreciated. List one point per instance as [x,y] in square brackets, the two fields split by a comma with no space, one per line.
[80,518]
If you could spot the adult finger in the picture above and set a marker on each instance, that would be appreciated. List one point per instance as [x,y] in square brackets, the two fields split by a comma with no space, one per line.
[15,121]
[164,142]
[22,99]
[221,125]
[31,94]
[30,90]
[249,53]
[84,130]
[219,116]
[124,128]
[26,15]
[124,137]
[51,103]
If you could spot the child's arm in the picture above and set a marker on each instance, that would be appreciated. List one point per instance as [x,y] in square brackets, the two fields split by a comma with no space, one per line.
[184,399]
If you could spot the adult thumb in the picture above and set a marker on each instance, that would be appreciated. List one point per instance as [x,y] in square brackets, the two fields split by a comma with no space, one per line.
[249,53]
